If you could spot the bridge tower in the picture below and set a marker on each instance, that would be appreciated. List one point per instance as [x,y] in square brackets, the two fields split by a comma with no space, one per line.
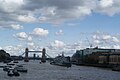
[43,59]
[34,56]
[26,55]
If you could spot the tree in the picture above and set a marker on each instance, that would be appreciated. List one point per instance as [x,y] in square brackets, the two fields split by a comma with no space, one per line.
[4,56]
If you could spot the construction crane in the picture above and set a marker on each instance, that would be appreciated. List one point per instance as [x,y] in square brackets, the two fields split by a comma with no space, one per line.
[90,44]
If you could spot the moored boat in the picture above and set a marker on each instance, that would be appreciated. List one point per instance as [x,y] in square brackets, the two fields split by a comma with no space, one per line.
[12,72]
[15,61]
[20,68]
[16,72]
[117,68]
[6,68]
[61,61]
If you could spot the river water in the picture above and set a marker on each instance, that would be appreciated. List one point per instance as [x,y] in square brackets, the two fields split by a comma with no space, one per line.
[45,71]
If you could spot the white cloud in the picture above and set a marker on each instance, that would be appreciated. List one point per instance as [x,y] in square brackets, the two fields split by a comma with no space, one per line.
[18,2]
[101,36]
[83,11]
[29,38]
[106,37]
[108,7]
[0,48]
[116,46]
[10,5]
[60,32]
[57,45]
[57,16]
[42,19]
[105,40]
[48,11]
[22,35]
[95,36]
[106,3]
[40,32]
[20,49]
[14,50]
[45,11]
[115,39]
[31,45]
[52,11]
[26,18]
[96,41]
[16,26]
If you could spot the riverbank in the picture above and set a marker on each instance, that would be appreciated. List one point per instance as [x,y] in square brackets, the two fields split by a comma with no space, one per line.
[110,67]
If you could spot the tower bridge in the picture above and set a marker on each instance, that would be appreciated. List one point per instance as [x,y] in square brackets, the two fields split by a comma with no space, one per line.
[43,57]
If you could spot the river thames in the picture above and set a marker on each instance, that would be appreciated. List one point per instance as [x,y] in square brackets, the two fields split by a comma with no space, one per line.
[45,71]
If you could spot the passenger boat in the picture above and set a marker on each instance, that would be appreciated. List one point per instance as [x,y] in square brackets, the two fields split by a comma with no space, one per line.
[20,68]
[117,68]
[13,72]
[61,61]
[10,73]
[16,72]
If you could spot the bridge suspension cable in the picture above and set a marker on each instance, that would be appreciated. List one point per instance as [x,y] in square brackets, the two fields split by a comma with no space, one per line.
[48,56]
[22,54]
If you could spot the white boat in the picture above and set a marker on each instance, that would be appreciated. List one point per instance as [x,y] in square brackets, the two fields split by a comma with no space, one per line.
[13,72]
[20,68]
[10,73]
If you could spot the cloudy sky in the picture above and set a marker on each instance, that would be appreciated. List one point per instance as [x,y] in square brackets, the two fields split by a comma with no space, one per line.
[58,25]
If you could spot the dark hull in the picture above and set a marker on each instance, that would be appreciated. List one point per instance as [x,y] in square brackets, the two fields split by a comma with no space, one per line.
[26,60]
[62,64]
[116,68]
[20,70]
[13,73]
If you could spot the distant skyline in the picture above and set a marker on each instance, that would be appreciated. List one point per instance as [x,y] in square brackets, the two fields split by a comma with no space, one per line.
[58,25]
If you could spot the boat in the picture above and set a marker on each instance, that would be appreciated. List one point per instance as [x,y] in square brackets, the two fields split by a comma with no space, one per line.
[11,64]
[61,61]
[13,72]
[6,61]
[19,65]
[15,61]
[117,68]
[6,68]
[16,72]
[20,68]
[10,73]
